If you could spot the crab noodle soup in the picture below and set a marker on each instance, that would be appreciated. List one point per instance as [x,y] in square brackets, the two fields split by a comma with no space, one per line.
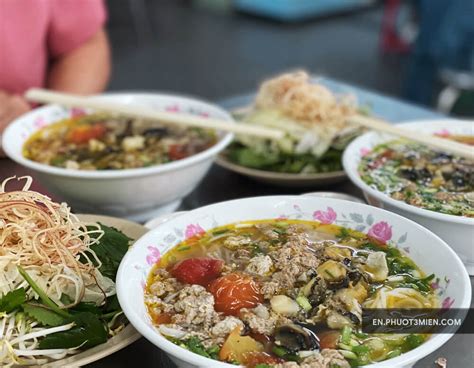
[422,177]
[284,293]
[103,142]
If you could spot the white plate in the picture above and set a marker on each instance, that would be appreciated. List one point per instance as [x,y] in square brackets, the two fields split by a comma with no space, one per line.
[283,179]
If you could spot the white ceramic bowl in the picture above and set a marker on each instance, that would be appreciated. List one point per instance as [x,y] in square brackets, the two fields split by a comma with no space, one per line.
[454,288]
[457,231]
[138,194]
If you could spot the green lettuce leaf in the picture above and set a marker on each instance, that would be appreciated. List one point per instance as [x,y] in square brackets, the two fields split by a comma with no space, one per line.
[12,300]
[43,315]
[110,250]
[88,331]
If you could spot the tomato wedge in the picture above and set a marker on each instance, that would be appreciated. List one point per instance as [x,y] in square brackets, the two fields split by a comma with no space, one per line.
[84,133]
[329,339]
[177,152]
[199,270]
[233,292]
[255,358]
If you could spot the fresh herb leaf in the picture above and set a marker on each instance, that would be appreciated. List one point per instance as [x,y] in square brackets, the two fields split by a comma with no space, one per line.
[88,331]
[343,233]
[213,351]
[279,231]
[371,246]
[12,300]
[43,315]
[86,307]
[112,304]
[110,250]
[255,249]
[195,345]
[423,284]
[399,265]
[279,161]
[281,352]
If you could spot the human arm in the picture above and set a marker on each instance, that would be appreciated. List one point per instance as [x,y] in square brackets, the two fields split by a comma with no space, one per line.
[83,70]
[11,106]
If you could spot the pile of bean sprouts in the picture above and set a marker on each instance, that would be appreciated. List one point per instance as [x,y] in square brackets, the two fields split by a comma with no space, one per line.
[53,247]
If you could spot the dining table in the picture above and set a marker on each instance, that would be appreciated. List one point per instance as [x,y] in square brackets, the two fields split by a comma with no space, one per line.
[221,185]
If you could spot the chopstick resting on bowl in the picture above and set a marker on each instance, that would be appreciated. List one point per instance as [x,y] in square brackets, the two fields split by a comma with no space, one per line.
[432,141]
[133,111]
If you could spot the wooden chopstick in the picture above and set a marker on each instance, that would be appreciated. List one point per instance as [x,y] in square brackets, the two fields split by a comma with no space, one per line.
[433,141]
[443,144]
[69,100]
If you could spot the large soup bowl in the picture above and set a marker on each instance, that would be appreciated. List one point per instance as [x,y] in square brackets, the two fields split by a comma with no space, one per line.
[457,231]
[138,194]
[453,287]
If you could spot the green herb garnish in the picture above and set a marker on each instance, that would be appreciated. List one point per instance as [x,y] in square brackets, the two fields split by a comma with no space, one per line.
[12,300]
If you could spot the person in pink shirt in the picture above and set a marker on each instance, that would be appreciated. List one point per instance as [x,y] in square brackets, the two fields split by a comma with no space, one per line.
[56,44]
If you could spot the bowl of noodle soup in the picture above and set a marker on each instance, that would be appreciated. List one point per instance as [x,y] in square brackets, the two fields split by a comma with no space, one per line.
[271,258]
[428,186]
[136,190]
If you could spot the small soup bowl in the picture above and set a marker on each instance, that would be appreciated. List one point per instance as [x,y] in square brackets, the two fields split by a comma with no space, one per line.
[454,289]
[138,194]
[457,231]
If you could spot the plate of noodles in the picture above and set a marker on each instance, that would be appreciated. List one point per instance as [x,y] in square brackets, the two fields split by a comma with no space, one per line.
[58,305]
[314,120]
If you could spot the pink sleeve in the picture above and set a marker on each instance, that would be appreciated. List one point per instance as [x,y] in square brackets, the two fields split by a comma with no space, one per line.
[72,23]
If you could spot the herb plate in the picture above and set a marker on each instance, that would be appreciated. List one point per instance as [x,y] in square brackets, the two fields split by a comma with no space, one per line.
[125,337]
[283,179]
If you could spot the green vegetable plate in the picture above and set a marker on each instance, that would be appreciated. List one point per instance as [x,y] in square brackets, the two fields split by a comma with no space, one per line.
[126,336]
[283,179]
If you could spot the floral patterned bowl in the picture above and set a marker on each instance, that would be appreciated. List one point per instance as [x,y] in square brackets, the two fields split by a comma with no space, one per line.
[457,231]
[138,194]
[452,282]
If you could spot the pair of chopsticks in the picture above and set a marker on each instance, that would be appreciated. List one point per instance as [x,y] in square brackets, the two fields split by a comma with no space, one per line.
[443,144]
[46,96]
[133,111]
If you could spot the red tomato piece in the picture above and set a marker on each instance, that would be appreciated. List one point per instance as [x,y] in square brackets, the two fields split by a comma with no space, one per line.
[252,359]
[84,133]
[162,318]
[328,339]
[233,292]
[177,152]
[200,270]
